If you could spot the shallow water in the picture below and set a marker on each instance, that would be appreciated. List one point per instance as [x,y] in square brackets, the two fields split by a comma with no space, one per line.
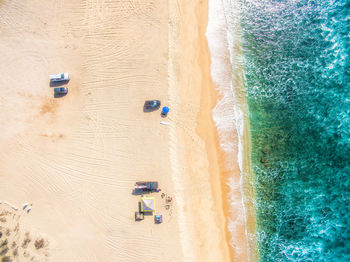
[296,67]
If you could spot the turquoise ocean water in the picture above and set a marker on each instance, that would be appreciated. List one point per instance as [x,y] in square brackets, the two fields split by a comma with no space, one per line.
[297,80]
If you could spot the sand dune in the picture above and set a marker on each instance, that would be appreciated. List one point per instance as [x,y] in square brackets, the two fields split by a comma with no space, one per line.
[77,157]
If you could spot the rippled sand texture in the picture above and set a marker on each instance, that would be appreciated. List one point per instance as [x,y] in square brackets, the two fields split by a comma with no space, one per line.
[76,158]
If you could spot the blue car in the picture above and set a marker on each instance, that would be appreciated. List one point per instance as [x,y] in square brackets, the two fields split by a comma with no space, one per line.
[60,90]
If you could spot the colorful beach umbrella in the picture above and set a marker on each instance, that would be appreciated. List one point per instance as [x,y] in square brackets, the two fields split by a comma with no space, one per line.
[165,110]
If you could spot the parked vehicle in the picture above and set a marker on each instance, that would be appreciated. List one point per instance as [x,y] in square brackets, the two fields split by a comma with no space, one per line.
[60,90]
[158,219]
[151,105]
[144,187]
[59,77]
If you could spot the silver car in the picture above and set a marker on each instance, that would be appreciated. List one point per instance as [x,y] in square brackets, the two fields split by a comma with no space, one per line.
[59,77]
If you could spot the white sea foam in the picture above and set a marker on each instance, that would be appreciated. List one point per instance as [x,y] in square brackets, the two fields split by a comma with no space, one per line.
[228,114]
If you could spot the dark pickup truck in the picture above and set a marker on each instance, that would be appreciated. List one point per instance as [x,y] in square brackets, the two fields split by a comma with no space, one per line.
[144,187]
[151,105]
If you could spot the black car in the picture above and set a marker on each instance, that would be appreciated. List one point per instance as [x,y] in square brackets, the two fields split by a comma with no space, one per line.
[60,90]
[151,105]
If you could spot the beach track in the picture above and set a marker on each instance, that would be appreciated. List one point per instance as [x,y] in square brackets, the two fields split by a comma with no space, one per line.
[76,158]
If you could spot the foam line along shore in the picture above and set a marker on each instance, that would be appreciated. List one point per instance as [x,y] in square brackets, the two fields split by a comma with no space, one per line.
[231,119]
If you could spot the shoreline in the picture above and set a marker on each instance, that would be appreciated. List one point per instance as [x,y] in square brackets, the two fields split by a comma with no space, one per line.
[209,99]
[193,100]
[236,177]
[219,174]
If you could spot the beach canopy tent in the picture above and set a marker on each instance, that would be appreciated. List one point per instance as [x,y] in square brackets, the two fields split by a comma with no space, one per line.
[148,204]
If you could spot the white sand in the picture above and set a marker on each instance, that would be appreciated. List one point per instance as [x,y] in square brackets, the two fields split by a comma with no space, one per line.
[76,158]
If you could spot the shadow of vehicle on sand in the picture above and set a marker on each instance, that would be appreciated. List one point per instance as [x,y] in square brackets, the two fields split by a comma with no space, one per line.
[59,95]
[58,83]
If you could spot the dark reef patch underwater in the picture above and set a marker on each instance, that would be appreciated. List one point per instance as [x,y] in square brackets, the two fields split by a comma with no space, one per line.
[296,62]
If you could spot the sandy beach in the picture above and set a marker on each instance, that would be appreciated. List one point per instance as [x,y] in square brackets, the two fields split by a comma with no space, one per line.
[75,159]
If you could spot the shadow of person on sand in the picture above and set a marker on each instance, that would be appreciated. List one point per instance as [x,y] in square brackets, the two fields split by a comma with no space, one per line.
[163,115]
